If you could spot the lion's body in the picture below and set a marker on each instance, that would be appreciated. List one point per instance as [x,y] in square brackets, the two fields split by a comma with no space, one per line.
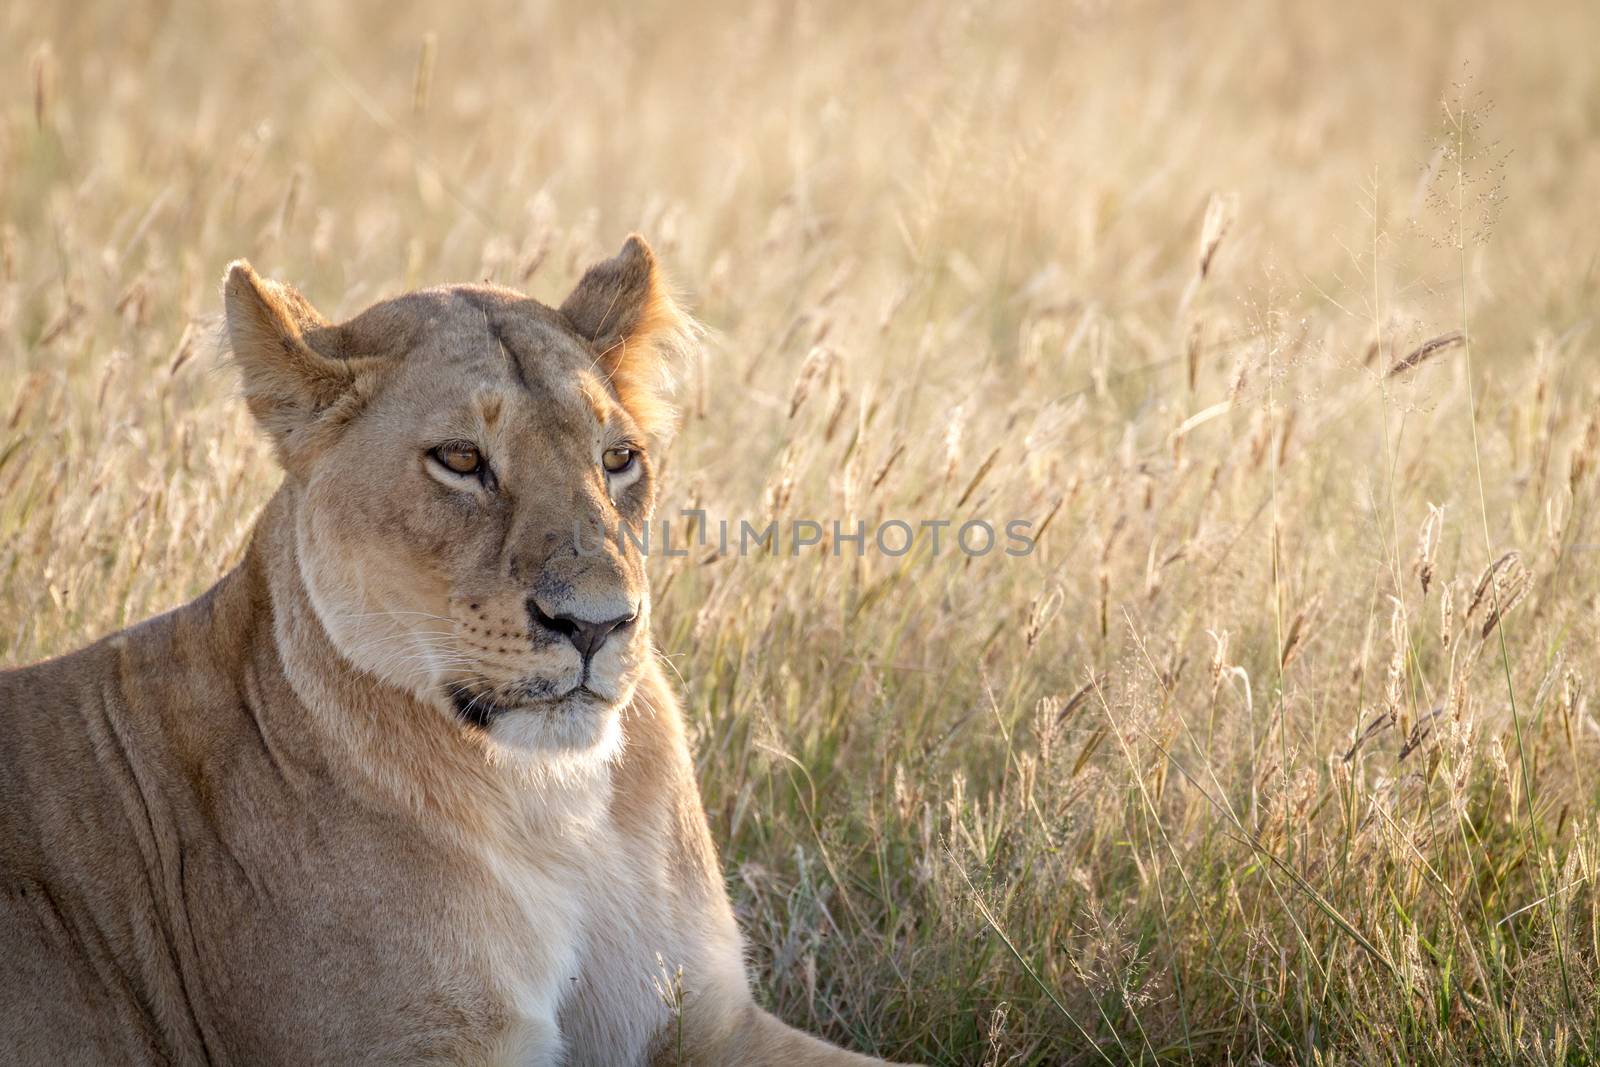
[194,872]
[188,878]
[223,842]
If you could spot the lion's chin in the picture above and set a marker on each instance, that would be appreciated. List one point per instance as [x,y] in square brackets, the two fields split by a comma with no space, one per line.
[579,723]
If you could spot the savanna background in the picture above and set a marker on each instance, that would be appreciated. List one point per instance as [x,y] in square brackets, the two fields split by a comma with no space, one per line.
[1275,320]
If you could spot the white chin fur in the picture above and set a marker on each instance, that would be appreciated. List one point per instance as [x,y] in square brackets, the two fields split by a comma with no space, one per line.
[587,730]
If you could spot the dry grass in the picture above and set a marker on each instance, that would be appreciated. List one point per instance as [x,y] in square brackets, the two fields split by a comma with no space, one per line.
[1272,751]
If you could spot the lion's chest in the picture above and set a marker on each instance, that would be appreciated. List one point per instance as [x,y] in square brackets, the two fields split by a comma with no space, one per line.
[531,941]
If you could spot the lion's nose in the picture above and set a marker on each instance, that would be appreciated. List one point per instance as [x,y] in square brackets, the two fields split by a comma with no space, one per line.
[586,635]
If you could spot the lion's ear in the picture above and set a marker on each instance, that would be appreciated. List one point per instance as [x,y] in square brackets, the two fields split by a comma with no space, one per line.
[275,335]
[623,307]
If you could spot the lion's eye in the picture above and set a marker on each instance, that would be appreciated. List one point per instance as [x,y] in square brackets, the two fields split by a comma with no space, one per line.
[460,457]
[617,460]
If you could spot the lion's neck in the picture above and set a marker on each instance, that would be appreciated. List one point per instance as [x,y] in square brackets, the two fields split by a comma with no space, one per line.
[397,747]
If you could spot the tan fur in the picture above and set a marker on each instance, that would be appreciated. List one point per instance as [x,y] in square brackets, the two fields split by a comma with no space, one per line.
[358,803]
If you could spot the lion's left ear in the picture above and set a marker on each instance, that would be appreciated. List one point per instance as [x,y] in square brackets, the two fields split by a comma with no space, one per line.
[296,373]
[623,307]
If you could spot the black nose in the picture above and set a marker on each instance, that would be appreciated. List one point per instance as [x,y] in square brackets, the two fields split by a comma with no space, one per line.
[586,636]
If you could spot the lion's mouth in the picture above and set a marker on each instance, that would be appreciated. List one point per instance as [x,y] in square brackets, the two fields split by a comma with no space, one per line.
[480,707]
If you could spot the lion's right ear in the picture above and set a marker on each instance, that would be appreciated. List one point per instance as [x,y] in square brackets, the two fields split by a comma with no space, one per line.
[289,384]
[623,308]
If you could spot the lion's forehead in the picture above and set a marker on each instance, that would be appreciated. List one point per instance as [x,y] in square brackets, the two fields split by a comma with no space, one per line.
[527,336]
[509,355]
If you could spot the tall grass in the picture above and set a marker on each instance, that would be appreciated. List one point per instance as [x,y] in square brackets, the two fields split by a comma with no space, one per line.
[1278,748]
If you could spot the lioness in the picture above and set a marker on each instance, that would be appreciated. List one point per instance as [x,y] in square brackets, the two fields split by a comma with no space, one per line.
[407,785]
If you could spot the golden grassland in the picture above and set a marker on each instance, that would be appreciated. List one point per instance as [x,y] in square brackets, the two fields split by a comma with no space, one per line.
[1275,320]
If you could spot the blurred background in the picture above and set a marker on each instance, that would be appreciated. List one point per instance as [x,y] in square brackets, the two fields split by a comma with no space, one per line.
[1273,319]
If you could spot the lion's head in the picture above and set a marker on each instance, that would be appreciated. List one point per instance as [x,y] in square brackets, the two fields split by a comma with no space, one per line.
[454,453]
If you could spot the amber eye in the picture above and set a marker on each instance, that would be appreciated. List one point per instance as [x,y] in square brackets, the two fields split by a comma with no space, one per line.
[460,457]
[617,460]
